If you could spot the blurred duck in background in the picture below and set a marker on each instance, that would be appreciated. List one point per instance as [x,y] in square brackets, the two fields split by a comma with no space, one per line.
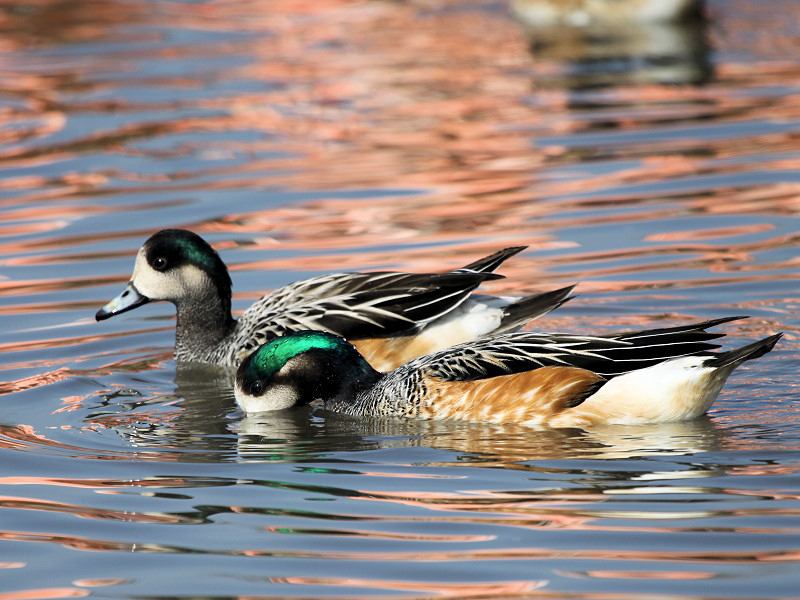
[613,42]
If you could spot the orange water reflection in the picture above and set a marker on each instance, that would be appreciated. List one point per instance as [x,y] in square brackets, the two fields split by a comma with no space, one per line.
[362,105]
[44,593]
[64,373]
[439,589]
[25,438]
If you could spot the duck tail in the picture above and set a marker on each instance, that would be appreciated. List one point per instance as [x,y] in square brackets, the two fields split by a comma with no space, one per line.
[489,263]
[678,389]
[694,330]
[733,358]
[528,308]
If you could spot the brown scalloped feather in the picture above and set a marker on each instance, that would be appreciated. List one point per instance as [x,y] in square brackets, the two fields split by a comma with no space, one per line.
[531,398]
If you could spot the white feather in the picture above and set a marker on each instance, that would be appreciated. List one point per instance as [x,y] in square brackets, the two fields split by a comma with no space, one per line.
[674,390]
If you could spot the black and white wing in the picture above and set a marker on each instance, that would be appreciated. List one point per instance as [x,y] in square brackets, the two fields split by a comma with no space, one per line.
[342,284]
[363,305]
[360,306]
[606,355]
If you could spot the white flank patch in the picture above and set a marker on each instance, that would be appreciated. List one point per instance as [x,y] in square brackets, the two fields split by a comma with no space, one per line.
[674,390]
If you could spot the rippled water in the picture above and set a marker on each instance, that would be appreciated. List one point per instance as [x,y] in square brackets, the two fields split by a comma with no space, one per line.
[658,167]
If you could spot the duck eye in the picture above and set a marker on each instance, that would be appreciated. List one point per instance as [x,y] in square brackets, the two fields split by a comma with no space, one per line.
[256,388]
[159,263]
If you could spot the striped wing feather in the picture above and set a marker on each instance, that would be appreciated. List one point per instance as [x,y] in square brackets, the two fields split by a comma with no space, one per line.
[342,284]
[457,327]
[364,305]
[607,356]
[489,263]
[356,305]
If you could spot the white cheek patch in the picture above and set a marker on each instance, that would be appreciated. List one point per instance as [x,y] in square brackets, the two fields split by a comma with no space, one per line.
[193,278]
[147,280]
[276,397]
[187,281]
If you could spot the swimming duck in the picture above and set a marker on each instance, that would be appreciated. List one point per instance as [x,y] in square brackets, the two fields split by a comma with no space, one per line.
[391,317]
[583,13]
[560,380]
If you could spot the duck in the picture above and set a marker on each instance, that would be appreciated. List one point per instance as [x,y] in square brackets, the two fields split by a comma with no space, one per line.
[534,379]
[584,13]
[392,317]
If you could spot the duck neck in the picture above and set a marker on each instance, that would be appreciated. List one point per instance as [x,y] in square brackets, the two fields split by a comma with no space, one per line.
[203,325]
[356,380]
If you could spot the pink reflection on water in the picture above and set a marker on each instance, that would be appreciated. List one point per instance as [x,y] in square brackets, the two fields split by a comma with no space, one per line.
[438,589]
[364,110]
[26,438]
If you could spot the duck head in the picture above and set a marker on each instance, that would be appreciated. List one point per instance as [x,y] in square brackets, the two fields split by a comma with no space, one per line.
[177,266]
[299,368]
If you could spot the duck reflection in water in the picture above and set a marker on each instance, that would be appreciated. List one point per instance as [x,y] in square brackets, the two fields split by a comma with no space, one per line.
[503,445]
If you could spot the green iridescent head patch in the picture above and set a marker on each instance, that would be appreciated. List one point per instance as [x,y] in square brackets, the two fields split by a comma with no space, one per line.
[198,254]
[272,356]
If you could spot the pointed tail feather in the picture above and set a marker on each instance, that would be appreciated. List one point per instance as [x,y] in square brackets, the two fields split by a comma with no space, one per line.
[671,331]
[491,262]
[528,308]
[739,355]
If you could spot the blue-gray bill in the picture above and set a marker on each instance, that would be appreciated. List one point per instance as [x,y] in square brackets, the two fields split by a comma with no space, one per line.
[129,299]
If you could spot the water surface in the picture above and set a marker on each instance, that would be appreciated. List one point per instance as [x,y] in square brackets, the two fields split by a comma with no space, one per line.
[657,168]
